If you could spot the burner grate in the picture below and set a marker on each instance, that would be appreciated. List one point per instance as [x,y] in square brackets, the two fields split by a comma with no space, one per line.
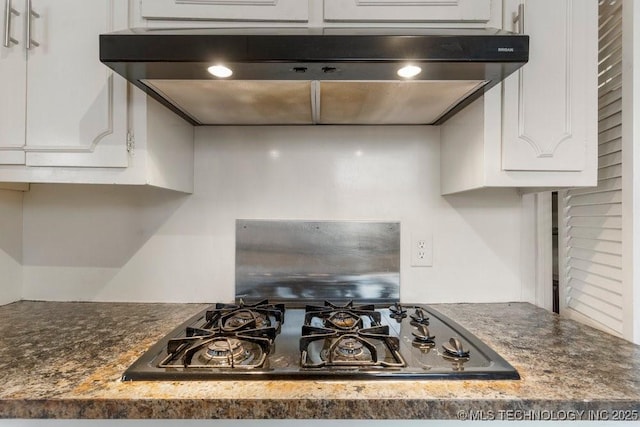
[347,336]
[236,336]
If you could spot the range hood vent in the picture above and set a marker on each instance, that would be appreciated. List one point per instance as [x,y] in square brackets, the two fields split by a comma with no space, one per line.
[314,76]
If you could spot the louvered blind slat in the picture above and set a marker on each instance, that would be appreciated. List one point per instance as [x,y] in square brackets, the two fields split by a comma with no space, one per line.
[610,122]
[612,298]
[615,83]
[610,172]
[595,280]
[597,269]
[605,19]
[604,197]
[610,110]
[595,221]
[611,159]
[601,313]
[608,9]
[609,135]
[593,216]
[607,308]
[600,317]
[613,71]
[580,284]
[595,210]
[610,59]
[594,233]
[607,185]
[610,147]
[609,97]
[608,247]
[609,41]
[598,257]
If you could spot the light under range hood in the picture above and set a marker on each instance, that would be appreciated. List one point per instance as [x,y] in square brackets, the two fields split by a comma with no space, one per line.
[314,76]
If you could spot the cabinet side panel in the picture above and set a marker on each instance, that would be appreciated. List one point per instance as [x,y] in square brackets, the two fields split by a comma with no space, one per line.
[462,150]
[11,246]
[169,149]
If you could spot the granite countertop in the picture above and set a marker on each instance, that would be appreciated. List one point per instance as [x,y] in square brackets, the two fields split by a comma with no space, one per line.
[64,360]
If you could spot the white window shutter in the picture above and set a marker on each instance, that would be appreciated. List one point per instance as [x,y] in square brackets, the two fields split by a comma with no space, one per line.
[592,278]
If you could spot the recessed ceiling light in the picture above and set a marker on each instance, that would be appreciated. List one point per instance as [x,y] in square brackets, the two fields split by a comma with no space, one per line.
[220,71]
[409,71]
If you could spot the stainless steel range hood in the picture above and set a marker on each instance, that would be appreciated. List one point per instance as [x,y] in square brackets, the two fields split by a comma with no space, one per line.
[314,76]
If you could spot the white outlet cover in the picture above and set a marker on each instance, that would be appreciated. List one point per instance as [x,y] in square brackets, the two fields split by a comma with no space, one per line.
[422,250]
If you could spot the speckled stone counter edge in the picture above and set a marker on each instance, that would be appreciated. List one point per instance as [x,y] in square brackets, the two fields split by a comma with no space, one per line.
[294,409]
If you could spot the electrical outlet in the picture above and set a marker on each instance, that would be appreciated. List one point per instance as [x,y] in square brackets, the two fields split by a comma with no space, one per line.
[422,251]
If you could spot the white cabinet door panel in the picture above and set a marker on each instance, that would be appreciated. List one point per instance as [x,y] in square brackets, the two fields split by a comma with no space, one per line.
[76,107]
[227,10]
[539,134]
[408,10]
[13,74]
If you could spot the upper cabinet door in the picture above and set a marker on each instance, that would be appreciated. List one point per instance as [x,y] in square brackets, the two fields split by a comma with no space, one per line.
[76,107]
[549,105]
[408,11]
[13,74]
[227,10]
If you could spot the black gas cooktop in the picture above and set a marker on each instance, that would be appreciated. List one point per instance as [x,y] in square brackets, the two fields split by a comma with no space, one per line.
[325,341]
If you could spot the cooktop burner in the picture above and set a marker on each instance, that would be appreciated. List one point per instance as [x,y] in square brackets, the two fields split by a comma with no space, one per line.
[347,336]
[233,336]
[349,341]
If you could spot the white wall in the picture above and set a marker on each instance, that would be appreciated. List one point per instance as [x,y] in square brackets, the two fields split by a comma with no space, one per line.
[10,246]
[142,244]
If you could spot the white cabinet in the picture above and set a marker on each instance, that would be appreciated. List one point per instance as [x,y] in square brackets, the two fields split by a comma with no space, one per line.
[64,108]
[226,10]
[539,128]
[75,114]
[318,12]
[84,124]
[13,77]
[408,11]
[539,135]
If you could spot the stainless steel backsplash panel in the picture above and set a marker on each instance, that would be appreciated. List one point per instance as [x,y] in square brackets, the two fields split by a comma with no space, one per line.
[306,262]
